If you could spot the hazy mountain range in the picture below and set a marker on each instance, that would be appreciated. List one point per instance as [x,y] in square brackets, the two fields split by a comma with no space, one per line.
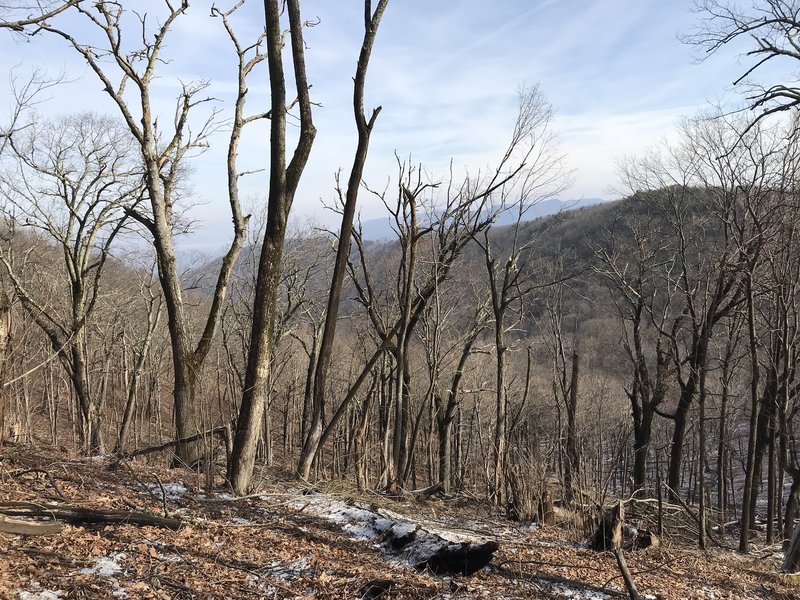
[380,229]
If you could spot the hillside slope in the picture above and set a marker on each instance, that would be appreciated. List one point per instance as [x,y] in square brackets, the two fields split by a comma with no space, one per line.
[287,542]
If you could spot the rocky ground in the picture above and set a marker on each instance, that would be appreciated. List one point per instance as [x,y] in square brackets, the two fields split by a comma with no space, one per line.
[329,542]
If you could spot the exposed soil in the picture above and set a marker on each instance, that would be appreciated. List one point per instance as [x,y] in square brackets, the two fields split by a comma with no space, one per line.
[290,542]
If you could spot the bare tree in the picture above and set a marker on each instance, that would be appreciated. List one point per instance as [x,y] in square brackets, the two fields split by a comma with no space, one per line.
[5,348]
[463,211]
[140,349]
[635,262]
[127,71]
[772,28]
[448,397]
[283,182]
[364,127]
[509,280]
[72,180]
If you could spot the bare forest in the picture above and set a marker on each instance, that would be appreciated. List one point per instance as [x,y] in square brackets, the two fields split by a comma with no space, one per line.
[486,403]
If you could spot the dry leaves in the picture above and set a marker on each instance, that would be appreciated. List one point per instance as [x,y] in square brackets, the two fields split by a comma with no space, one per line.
[263,548]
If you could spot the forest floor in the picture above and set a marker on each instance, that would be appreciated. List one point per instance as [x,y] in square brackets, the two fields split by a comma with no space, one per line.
[290,542]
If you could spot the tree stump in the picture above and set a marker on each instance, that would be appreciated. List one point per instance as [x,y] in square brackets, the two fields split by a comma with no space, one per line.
[609,537]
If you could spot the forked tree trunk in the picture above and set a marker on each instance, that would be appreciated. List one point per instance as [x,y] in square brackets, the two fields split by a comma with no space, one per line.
[283,183]
[91,432]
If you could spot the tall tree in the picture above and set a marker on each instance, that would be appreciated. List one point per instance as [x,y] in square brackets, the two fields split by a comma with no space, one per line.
[508,276]
[634,262]
[127,65]
[283,181]
[364,127]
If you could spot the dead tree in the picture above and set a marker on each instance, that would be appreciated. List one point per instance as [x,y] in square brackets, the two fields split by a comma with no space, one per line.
[608,536]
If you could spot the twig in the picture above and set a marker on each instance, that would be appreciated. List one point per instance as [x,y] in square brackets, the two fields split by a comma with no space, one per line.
[550,564]
[163,497]
[50,477]
[694,516]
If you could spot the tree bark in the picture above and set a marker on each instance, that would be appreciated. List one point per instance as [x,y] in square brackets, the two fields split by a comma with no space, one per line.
[282,187]
[5,349]
[572,466]
[749,482]
[364,127]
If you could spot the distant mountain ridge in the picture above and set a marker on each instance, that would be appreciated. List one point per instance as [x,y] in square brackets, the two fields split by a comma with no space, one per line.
[380,229]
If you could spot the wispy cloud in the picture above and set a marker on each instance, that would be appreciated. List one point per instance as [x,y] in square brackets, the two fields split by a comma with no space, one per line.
[446,75]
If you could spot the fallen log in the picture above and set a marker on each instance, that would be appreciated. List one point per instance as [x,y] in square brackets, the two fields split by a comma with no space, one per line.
[223,431]
[459,558]
[22,527]
[428,551]
[87,516]
[413,542]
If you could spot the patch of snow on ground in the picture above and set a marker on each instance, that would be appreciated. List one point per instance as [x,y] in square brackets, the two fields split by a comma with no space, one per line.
[290,569]
[364,524]
[568,592]
[43,595]
[106,566]
[174,490]
[240,521]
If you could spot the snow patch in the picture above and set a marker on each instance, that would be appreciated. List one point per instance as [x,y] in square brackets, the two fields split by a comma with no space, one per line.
[568,592]
[174,490]
[43,595]
[106,566]
[290,569]
[365,524]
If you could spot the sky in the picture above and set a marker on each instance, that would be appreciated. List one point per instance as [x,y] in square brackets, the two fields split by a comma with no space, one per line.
[446,74]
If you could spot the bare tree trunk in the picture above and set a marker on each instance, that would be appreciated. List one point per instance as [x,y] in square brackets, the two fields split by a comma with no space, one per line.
[501,416]
[364,127]
[153,319]
[744,535]
[679,436]
[91,433]
[282,187]
[572,465]
[701,466]
[5,348]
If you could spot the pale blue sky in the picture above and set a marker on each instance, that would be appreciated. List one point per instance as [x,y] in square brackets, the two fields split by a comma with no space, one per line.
[446,74]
